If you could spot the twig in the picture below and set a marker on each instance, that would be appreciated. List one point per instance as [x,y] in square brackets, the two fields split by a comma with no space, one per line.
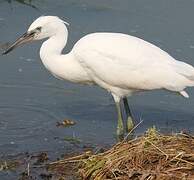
[28,169]
[132,131]
[157,148]
[71,159]
[185,135]
[185,161]
[178,168]
[179,154]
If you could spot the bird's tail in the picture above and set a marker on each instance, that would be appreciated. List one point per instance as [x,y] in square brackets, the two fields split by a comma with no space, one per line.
[184,94]
[185,70]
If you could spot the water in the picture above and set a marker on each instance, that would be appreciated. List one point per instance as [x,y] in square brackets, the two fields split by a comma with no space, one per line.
[32,100]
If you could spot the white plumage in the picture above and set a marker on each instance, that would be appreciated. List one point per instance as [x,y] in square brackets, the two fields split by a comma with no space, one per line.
[120,63]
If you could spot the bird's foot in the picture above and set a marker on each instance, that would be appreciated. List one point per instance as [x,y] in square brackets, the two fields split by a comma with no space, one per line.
[120,132]
[130,124]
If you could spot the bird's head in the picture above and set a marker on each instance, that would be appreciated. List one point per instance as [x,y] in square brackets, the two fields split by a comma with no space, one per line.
[43,27]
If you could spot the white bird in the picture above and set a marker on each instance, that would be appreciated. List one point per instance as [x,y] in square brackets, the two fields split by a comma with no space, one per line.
[120,63]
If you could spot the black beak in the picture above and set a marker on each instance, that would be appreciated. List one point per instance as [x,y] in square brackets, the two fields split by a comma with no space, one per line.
[26,37]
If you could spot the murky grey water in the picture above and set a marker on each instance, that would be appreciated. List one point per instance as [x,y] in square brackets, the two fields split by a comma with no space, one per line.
[32,101]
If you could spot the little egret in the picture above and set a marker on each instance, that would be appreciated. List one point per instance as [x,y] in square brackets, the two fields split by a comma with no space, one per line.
[120,63]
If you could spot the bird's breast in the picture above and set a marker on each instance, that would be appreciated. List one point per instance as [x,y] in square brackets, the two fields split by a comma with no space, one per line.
[65,67]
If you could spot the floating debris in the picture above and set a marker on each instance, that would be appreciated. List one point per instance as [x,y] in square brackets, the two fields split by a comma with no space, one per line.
[68,167]
[9,165]
[25,176]
[73,140]
[41,158]
[28,166]
[45,176]
[66,123]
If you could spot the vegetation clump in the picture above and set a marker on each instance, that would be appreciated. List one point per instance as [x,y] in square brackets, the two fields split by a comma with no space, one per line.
[153,156]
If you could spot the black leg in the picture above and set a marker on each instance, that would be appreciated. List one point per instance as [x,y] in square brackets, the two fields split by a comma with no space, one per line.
[130,123]
[126,106]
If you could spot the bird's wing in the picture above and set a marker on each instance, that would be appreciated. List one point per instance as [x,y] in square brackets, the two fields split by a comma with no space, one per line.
[130,63]
[125,73]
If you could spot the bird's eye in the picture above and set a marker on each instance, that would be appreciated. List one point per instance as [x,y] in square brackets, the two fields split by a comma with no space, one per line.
[38,29]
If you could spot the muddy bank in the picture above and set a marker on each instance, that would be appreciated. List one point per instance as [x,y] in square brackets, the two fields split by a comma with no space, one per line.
[150,156]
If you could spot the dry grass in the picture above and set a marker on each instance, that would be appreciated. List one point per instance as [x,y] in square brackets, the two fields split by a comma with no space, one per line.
[149,157]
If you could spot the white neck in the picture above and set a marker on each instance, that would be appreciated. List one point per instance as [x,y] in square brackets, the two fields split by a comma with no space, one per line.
[50,51]
[63,66]
[55,44]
